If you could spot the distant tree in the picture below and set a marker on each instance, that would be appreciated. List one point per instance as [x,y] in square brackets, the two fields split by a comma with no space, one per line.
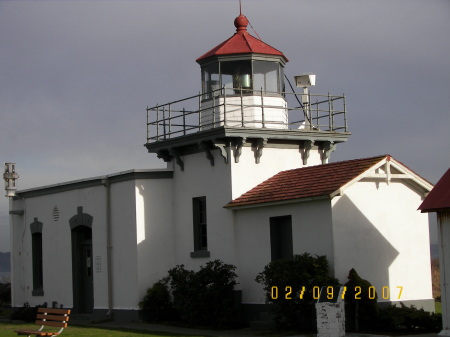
[436,278]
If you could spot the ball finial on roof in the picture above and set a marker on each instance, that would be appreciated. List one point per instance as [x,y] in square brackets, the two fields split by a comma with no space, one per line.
[241,23]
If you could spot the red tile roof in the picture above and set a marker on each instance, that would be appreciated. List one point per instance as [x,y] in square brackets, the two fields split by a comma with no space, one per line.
[242,43]
[306,182]
[439,197]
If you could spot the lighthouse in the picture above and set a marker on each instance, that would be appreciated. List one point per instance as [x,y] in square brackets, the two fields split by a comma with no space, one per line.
[247,182]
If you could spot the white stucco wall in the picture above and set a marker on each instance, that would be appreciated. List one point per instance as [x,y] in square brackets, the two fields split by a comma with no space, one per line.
[220,184]
[141,242]
[379,232]
[155,231]
[247,174]
[198,179]
[311,233]
[124,250]
[227,237]
[56,240]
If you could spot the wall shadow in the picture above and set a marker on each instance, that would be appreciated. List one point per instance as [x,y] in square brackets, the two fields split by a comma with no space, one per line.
[360,245]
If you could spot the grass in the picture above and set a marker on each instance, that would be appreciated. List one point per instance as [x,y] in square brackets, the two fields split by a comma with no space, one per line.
[7,330]
[438,307]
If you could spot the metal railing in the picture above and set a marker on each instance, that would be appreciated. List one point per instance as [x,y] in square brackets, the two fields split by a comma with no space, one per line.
[231,107]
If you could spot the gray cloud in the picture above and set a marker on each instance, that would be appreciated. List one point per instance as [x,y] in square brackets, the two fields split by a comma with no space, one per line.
[76,76]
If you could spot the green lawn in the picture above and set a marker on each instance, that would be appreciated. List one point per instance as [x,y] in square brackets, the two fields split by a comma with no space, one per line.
[7,330]
[438,307]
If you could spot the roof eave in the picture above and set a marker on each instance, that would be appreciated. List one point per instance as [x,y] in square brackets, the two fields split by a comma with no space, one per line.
[276,203]
[202,61]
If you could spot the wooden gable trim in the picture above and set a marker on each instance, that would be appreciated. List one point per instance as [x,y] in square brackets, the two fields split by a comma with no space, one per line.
[387,164]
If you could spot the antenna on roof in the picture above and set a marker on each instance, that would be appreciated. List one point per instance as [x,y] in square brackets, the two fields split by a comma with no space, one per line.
[240,7]
[10,176]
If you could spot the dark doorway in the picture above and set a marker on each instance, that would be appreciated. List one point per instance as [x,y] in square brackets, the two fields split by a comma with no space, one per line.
[281,237]
[83,279]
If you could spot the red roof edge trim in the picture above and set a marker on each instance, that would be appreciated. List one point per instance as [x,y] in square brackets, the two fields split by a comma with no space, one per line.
[439,197]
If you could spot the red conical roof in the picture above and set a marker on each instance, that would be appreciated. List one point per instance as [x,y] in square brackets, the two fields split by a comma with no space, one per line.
[242,43]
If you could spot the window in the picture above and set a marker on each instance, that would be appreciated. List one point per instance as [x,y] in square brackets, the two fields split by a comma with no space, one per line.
[281,237]
[200,227]
[211,81]
[266,76]
[37,261]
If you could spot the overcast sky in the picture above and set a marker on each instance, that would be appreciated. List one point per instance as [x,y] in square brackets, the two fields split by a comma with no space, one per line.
[76,76]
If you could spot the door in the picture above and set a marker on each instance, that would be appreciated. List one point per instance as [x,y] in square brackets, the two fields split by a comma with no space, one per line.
[83,279]
[281,245]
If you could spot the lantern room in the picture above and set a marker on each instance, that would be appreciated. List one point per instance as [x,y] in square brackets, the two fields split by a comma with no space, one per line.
[242,62]
[243,101]
[247,67]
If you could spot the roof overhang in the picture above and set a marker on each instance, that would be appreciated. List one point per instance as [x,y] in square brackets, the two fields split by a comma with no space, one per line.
[278,203]
[242,57]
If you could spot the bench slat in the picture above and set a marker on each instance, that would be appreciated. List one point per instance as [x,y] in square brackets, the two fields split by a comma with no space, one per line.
[54,311]
[57,318]
[35,332]
[51,323]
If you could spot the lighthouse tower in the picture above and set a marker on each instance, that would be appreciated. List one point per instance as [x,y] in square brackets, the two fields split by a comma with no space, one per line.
[241,129]
[244,118]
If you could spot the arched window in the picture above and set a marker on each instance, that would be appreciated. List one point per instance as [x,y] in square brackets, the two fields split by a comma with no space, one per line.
[37,261]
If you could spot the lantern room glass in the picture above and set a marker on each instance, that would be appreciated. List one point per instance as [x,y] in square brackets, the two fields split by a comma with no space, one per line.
[246,76]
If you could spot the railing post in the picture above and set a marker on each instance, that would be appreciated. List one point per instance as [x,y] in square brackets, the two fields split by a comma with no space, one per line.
[317,114]
[242,108]
[214,112]
[308,111]
[147,126]
[345,114]
[332,115]
[157,122]
[164,121]
[199,111]
[262,109]
[184,121]
[224,106]
[329,114]
[170,120]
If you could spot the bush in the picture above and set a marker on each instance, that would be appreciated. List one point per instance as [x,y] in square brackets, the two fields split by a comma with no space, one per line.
[26,313]
[408,319]
[289,276]
[205,297]
[5,294]
[156,304]
[361,313]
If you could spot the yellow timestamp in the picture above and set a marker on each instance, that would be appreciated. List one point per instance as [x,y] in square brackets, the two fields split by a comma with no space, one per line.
[288,292]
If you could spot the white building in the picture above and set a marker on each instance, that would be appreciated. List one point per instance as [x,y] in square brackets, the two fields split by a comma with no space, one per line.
[247,181]
[439,201]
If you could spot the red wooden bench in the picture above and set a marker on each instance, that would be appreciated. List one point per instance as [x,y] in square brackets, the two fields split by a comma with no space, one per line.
[48,318]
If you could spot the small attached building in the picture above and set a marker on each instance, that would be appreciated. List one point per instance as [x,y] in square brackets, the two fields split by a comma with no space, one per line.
[359,213]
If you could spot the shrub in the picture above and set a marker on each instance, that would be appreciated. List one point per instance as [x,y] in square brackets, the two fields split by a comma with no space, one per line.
[25,313]
[361,313]
[157,305]
[204,297]
[408,319]
[5,294]
[291,275]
